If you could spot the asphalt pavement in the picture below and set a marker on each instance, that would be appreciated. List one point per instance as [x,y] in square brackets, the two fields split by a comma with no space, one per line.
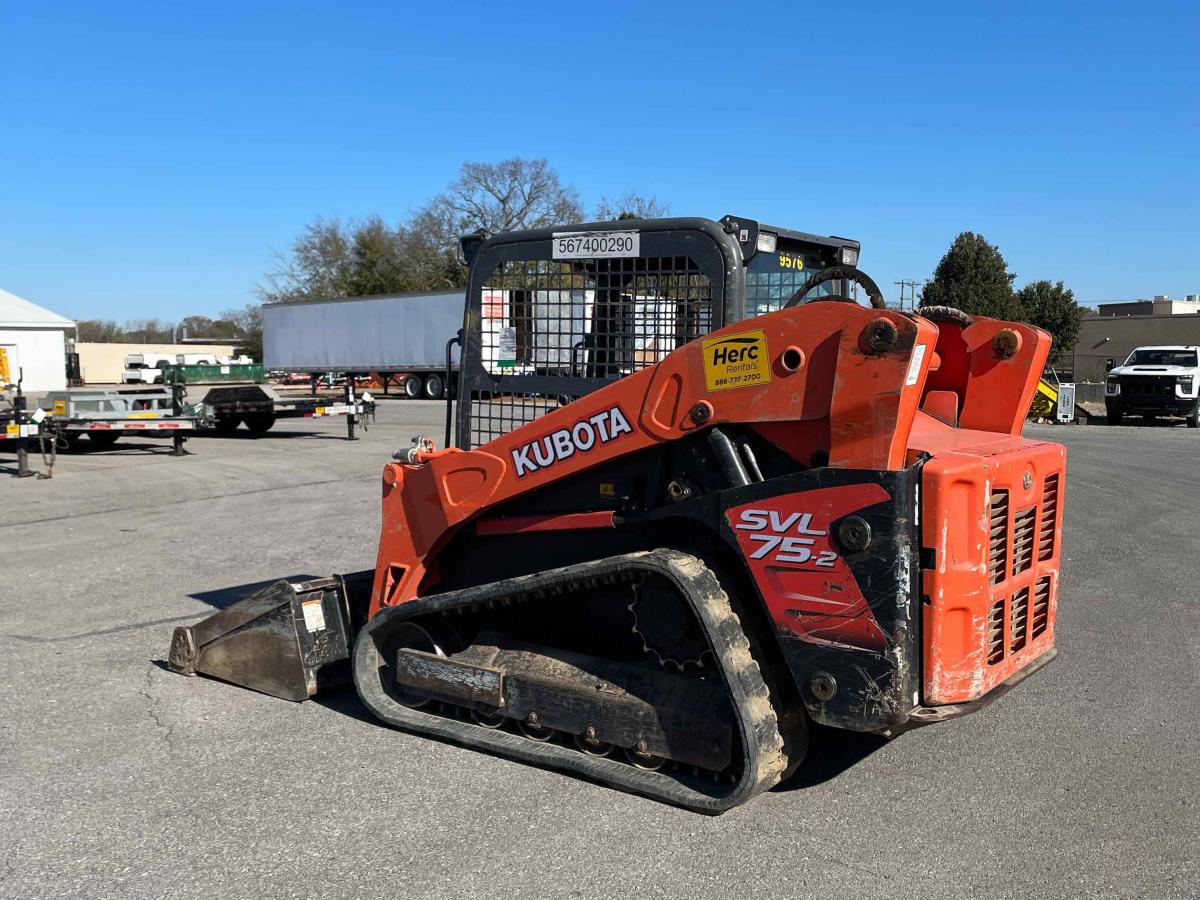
[121,779]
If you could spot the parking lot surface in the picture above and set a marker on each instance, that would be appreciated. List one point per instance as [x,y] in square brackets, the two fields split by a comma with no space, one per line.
[119,778]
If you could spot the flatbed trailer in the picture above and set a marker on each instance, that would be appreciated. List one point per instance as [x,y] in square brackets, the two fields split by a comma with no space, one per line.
[259,406]
[104,415]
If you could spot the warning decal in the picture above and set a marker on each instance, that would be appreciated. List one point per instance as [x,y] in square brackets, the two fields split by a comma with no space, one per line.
[314,615]
[736,360]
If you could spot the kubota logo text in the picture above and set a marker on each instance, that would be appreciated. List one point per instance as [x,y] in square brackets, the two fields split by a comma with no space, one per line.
[566,442]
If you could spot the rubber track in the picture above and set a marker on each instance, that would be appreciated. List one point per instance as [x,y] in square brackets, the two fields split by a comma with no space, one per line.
[762,745]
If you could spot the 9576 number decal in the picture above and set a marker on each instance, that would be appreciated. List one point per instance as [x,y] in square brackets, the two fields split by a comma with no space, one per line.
[784,538]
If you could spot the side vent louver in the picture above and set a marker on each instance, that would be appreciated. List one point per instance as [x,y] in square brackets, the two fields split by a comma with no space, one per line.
[1041,606]
[1019,616]
[1049,517]
[998,537]
[995,632]
[1022,548]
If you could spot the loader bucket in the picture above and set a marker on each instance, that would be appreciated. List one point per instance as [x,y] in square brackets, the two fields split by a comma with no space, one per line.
[289,640]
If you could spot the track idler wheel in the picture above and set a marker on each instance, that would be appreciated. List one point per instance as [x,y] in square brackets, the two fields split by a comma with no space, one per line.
[410,635]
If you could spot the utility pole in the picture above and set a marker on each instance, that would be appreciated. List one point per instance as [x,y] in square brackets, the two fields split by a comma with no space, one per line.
[912,286]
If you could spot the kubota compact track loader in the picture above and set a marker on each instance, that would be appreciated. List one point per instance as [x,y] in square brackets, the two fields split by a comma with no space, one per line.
[700,497]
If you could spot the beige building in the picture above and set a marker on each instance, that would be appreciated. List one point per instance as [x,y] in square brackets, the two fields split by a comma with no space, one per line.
[104,363]
[1107,337]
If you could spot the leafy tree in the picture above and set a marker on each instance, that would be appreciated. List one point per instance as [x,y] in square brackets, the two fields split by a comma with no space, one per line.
[196,327]
[631,206]
[1052,307]
[973,277]
[376,260]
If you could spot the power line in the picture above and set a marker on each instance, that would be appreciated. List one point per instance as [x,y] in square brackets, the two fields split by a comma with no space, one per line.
[912,286]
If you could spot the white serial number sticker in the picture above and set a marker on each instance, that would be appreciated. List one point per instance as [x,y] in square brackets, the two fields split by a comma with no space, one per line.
[314,615]
[595,244]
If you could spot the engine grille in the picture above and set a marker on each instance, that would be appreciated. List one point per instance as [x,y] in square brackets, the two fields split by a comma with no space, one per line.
[1013,548]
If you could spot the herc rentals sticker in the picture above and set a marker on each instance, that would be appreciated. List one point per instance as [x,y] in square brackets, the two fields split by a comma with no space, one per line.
[566,442]
[736,360]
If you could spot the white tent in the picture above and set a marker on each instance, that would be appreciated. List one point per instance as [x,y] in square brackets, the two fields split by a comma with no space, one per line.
[33,340]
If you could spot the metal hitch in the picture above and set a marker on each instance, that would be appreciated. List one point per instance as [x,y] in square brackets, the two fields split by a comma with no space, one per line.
[289,640]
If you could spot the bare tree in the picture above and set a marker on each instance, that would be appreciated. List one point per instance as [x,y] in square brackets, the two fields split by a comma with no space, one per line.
[148,331]
[248,324]
[101,330]
[505,196]
[319,264]
[330,259]
[631,206]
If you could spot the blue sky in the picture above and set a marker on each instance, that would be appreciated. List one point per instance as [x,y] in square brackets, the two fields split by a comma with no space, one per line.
[153,155]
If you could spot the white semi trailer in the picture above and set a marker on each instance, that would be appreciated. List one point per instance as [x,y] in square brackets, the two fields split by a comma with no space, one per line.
[402,337]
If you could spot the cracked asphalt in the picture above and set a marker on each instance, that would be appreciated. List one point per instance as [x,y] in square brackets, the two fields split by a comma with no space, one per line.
[121,779]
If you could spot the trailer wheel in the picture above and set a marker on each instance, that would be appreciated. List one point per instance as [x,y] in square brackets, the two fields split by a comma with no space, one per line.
[412,387]
[260,423]
[103,439]
[435,387]
[226,424]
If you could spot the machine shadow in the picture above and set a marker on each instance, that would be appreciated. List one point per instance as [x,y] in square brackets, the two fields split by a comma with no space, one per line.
[345,700]
[831,751]
[223,598]
[243,435]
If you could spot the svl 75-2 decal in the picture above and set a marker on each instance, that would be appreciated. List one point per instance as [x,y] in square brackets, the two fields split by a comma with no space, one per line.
[785,538]
[804,580]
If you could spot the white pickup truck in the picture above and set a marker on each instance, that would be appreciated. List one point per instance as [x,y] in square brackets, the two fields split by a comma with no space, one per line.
[1155,381]
[149,368]
[146,368]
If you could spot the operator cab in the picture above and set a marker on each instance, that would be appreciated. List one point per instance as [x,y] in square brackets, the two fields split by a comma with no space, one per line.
[780,261]
[553,314]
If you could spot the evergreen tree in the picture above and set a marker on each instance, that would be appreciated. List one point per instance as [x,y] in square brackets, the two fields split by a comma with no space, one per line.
[973,277]
[1052,307]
